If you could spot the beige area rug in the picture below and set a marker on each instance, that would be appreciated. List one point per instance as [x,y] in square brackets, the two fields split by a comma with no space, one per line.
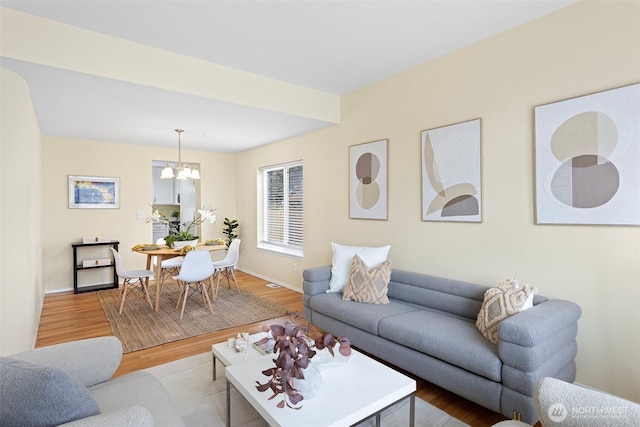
[141,327]
[202,402]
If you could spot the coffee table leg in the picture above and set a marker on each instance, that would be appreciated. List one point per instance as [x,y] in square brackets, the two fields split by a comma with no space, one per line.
[214,367]
[412,411]
[228,404]
[378,419]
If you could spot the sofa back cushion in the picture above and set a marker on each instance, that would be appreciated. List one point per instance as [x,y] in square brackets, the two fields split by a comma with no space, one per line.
[452,296]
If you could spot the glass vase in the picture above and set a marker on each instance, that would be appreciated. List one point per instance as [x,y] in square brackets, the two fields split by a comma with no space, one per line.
[310,385]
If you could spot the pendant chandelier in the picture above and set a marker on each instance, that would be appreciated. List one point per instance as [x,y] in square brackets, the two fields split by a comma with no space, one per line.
[181,171]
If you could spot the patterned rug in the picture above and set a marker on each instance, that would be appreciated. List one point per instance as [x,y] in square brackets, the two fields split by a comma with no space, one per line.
[141,327]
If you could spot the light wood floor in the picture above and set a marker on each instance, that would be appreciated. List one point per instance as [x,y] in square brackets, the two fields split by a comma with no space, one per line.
[67,317]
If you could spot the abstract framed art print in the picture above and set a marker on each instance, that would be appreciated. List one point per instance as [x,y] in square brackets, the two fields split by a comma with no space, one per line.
[94,192]
[451,173]
[368,180]
[588,159]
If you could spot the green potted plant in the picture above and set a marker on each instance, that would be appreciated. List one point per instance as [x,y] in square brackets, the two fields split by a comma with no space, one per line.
[294,347]
[230,230]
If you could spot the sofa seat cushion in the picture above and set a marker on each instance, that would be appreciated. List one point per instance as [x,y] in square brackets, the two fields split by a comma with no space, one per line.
[447,338]
[358,314]
[138,388]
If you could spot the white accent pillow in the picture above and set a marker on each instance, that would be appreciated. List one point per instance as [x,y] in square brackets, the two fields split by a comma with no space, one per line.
[341,264]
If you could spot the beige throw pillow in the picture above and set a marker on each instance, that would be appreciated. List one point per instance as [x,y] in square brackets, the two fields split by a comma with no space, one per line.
[368,284]
[500,302]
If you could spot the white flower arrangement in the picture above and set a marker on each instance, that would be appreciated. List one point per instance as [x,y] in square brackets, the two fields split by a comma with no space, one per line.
[182,232]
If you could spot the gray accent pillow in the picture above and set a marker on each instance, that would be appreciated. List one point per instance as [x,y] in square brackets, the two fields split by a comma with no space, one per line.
[36,395]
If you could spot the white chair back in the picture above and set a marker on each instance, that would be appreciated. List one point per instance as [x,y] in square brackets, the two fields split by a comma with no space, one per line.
[196,267]
[120,266]
[232,255]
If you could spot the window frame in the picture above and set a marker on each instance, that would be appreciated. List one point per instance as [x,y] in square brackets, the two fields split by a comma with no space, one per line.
[264,243]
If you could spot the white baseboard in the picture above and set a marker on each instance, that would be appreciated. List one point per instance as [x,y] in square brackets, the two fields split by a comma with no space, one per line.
[58,291]
[261,276]
[269,279]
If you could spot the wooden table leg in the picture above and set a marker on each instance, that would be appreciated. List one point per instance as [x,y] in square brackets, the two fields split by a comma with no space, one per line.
[158,272]
[146,279]
[148,268]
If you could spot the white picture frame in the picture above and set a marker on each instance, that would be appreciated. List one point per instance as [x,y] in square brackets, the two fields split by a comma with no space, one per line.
[368,183]
[94,192]
[587,159]
[452,172]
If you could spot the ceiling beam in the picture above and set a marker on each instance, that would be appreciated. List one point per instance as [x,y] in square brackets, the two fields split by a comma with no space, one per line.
[42,41]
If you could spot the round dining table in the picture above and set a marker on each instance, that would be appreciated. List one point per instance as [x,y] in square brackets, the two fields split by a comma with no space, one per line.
[164,252]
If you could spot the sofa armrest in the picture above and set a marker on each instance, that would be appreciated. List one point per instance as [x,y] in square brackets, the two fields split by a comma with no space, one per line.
[90,361]
[134,416]
[536,343]
[316,280]
[537,324]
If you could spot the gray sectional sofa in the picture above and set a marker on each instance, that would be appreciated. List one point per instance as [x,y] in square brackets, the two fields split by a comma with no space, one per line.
[428,329]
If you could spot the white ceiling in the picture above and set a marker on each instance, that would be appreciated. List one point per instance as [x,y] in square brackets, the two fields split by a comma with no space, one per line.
[330,46]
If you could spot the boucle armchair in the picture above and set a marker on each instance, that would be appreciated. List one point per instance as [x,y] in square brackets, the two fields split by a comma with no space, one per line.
[562,404]
[71,384]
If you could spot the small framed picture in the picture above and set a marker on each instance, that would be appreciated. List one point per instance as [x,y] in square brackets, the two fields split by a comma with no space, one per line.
[368,180]
[94,192]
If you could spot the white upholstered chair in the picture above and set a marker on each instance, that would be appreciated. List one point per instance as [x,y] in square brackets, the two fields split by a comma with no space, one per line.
[227,266]
[195,269]
[562,404]
[132,279]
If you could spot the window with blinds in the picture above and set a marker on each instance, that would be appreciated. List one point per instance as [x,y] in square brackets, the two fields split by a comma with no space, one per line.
[280,223]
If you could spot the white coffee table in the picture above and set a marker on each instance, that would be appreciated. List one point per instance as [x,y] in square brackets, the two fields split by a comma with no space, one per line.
[229,356]
[350,392]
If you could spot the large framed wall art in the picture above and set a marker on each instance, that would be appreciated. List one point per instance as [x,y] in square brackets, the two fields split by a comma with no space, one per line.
[368,180]
[94,192]
[588,159]
[451,173]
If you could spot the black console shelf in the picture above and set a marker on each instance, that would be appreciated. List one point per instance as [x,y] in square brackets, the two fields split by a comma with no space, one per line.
[78,267]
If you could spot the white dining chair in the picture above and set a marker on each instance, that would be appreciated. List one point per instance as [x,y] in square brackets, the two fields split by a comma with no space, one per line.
[195,269]
[131,279]
[169,267]
[227,266]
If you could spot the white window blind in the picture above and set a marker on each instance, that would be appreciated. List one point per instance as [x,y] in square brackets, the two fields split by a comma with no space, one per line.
[280,222]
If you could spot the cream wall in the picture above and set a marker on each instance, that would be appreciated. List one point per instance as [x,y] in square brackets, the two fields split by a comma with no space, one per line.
[132,164]
[21,283]
[587,47]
